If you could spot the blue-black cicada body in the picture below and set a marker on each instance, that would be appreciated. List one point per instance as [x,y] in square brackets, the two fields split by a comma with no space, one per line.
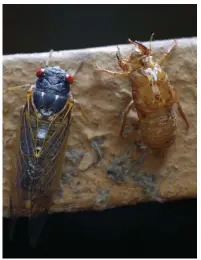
[42,139]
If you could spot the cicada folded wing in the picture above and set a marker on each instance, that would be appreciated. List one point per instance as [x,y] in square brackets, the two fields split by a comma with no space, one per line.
[40,152]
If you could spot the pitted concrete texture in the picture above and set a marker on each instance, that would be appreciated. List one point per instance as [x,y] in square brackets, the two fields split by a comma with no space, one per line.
[101,170]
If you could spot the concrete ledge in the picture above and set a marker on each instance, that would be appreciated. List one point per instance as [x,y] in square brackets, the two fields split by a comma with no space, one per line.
[131,178]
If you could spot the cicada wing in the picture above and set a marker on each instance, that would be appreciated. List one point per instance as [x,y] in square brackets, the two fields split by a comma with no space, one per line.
[14,195]
[35,227]
[37,172]
[12,226]
[22,203]
[52,156]
[54,148]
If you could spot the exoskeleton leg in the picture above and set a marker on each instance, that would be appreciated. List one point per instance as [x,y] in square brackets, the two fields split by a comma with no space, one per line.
[123,63]
[175,100]
[183,114]
[112,73]
[126,111]
[166,55]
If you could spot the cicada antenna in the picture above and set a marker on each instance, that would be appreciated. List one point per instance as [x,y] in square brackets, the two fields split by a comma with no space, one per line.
[151,39]
[118,55]
[118,52]
[49,58]
[79,67]
[67,69]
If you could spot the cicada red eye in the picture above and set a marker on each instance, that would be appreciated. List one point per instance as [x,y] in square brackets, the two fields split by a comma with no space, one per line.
[69,79]
[40,73]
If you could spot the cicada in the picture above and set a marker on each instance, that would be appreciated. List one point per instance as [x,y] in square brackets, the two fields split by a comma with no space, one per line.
[153,96]
[41,142]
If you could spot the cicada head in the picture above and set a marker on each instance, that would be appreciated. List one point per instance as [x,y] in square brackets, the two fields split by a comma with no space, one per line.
[53,80]
[52,90]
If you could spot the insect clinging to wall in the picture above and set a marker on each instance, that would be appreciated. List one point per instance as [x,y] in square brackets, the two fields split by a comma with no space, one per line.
[152,95]
[41,142]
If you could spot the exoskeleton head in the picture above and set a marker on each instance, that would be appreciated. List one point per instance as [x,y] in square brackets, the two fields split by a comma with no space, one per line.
[141,54]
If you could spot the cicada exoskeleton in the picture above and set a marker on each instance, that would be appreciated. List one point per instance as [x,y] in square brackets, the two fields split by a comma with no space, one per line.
[153,96]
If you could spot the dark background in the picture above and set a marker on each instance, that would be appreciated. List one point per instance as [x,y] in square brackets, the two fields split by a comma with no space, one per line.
[146,230]
[38,28]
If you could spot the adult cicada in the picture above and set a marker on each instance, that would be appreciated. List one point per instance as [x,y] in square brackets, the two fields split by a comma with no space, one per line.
[41,142]
[153,96]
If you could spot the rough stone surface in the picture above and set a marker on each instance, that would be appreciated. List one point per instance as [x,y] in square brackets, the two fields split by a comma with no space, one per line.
[101,170]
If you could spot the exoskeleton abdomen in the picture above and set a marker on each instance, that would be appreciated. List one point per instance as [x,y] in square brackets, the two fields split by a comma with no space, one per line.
[159,128]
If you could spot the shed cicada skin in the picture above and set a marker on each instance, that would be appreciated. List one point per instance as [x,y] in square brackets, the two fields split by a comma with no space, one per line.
[41,142]
[153,96]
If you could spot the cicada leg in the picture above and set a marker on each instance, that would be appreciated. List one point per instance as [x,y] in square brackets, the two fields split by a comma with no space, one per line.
[123,63]
[183,114]
[126,111]
[175,100]
[81,110]
[22,86]
[112,73]
[167,54]
[17,88]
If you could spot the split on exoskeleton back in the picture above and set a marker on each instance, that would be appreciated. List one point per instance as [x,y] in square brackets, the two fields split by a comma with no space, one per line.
[135,60]
[146,51]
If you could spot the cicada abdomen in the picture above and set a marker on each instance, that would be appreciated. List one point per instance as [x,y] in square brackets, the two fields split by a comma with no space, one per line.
[42,139]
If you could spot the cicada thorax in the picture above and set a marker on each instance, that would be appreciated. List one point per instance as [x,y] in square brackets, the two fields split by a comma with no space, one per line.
[50,113]
[43,134]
